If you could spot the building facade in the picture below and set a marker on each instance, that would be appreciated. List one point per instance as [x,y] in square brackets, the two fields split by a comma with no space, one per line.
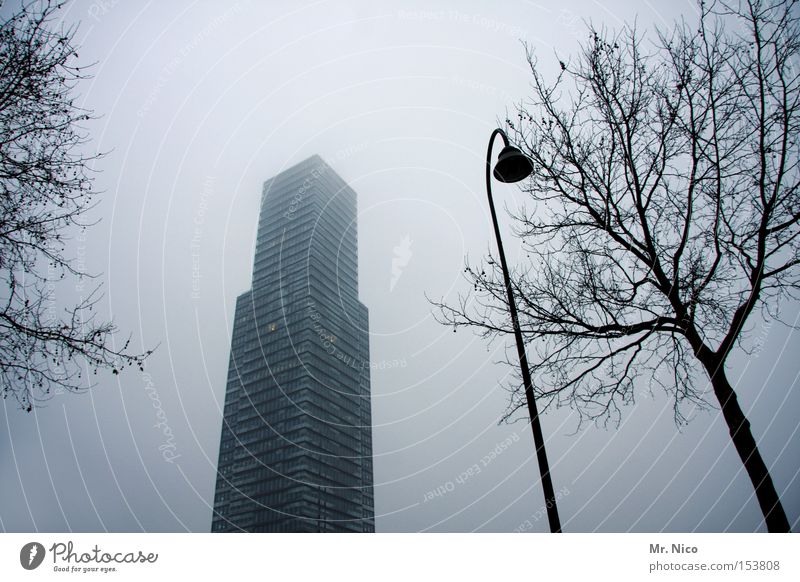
[296,445]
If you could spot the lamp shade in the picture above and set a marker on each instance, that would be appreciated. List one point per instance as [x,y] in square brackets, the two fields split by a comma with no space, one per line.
[512,165]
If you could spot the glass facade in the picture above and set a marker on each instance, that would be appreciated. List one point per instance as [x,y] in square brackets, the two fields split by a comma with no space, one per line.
[296,446]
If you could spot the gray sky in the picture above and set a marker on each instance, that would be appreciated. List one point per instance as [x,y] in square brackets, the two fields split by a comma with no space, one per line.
[203,101]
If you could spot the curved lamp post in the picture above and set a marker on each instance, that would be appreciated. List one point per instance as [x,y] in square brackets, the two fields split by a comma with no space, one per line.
[513,166]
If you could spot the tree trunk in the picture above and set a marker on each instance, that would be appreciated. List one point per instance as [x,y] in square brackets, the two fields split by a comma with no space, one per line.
[745,444]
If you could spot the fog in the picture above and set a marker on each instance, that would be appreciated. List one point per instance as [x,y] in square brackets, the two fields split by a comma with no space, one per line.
[200,103]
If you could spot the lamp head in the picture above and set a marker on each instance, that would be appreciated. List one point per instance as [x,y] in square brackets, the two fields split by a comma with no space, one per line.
[512,165]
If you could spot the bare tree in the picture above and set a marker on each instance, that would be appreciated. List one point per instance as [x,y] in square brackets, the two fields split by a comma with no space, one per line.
[45,190]
[665,216]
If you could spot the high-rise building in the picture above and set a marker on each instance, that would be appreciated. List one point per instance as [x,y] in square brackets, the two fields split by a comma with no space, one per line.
[296,446]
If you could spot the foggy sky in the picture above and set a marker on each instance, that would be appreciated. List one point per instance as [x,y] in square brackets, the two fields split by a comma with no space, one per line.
[200,103]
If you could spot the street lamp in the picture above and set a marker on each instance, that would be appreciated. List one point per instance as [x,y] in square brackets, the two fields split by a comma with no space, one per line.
[513,166]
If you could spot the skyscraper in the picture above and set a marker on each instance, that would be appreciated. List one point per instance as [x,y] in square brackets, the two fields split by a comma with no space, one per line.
[296,446]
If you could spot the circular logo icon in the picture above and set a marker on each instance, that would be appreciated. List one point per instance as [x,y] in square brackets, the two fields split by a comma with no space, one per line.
[31,555]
